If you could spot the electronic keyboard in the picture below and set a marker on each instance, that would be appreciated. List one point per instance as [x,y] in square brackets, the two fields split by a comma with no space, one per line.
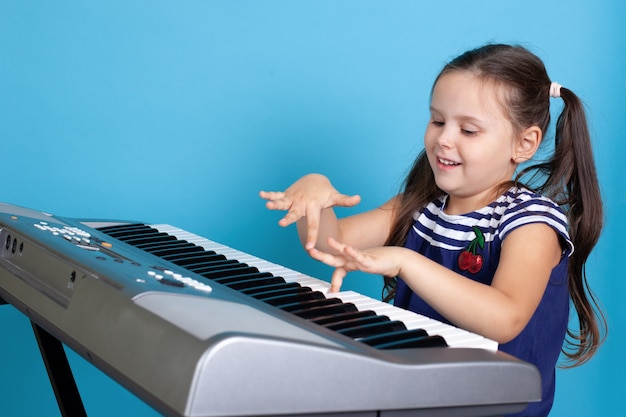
[195,328]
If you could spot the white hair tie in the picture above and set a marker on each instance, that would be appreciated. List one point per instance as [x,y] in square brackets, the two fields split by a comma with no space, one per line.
[555,90]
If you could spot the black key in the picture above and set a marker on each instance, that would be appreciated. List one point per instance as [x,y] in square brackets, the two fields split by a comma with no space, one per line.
[121,231]
[149,242]
[159,245]
[423,342]
[252,281]
[281,292]
[197,263]
[324,310]
[225,275]
[394,337]
[215,266]
[297,306]
[338,318]
[130,235]
[373,329]
[194,258]
[355,322]
[404,339]
[175,251]
[145,240]
[280,300]
[272,287]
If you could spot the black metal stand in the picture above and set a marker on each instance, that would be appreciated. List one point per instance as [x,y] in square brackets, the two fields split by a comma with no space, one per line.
[60,374]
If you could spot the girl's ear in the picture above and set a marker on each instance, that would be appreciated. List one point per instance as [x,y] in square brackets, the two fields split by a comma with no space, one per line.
[529,142]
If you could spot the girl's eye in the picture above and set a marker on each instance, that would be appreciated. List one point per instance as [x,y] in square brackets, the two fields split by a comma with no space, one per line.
[437,123]
[469,132]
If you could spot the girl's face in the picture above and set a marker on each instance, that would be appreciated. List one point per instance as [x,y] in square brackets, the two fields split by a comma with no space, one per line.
[469,141]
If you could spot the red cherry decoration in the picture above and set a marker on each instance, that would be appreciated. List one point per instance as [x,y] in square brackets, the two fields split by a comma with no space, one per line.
[469,260]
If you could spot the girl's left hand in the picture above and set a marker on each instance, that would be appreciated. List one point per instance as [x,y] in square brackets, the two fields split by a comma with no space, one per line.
[383,261]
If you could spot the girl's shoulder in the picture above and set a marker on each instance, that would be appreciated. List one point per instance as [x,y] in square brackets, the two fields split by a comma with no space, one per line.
[520,206]
[523,200]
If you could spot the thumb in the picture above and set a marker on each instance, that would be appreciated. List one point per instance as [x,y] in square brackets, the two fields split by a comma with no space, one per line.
[344,200]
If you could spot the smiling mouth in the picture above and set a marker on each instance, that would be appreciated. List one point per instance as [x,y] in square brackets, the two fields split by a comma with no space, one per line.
[447,162]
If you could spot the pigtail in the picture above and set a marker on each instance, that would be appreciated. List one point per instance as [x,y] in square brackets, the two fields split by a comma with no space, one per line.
[573,183]
[569,178]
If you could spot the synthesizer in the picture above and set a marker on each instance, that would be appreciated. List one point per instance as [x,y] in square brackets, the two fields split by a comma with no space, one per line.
[195,328]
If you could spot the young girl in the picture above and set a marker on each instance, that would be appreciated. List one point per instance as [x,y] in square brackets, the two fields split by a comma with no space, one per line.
[465,243]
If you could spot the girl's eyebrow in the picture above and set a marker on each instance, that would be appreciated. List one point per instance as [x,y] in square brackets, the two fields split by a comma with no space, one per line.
[463,117]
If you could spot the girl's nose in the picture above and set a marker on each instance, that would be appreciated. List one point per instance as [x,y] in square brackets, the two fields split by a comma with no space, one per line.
[445,138]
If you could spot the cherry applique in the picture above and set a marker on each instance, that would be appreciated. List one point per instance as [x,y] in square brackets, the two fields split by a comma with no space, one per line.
[469,260]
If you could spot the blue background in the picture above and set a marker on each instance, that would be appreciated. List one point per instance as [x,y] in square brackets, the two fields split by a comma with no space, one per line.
[180,112]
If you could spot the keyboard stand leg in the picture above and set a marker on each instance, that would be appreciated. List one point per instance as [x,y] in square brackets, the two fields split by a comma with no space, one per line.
[60,374]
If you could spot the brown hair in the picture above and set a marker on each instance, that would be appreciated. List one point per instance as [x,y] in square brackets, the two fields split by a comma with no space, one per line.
[568,176]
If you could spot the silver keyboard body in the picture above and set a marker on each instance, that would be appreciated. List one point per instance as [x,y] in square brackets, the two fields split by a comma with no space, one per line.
[201,349]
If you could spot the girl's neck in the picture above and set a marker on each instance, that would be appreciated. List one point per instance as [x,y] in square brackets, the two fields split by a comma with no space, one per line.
[457,205]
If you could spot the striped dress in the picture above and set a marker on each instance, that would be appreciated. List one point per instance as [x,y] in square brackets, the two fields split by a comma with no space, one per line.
[470,244]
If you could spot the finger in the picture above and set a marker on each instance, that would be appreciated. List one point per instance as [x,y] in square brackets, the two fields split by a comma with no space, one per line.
[291,217]
[352,257]
[344,200]
[336,279]
[353,254]
[336,245]
[313,213]
[279,202]
[327,258]
[271,195]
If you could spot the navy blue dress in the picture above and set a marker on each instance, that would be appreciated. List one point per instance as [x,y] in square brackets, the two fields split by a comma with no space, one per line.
[470,244]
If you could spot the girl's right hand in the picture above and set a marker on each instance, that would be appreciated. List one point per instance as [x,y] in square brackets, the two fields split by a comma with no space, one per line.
[307,197]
